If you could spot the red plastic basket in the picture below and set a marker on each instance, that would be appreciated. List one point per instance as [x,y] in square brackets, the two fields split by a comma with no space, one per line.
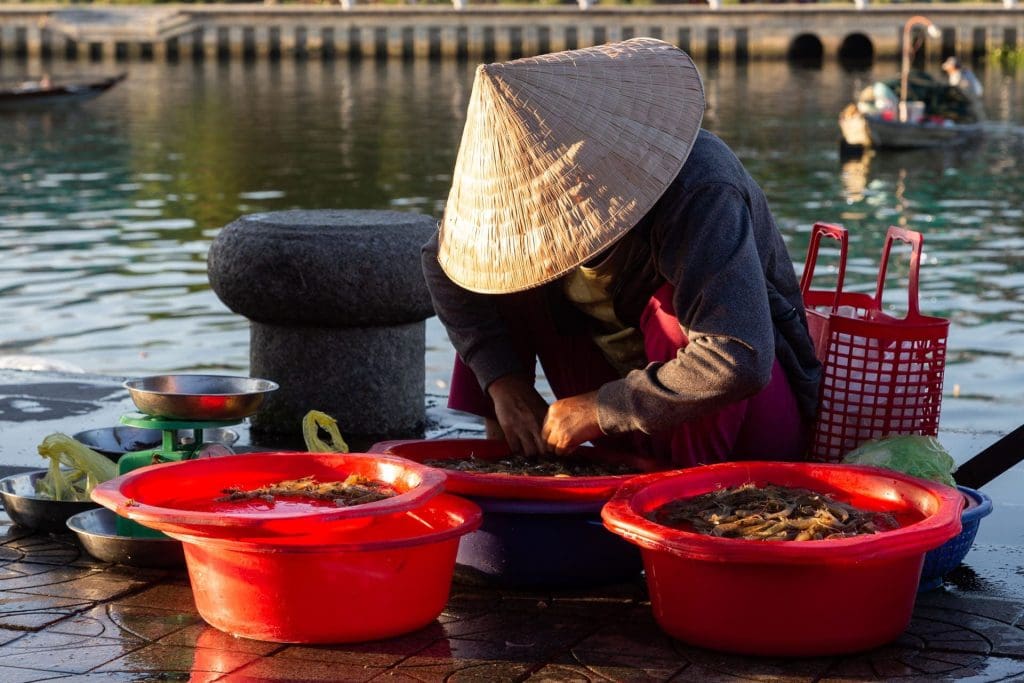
[881,375]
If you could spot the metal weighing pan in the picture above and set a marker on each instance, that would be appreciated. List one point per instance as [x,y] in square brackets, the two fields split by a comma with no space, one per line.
[199,397]
[26,509]
[97,532]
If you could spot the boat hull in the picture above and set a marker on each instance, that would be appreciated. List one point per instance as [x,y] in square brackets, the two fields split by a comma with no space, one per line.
[862,130]
[57,95]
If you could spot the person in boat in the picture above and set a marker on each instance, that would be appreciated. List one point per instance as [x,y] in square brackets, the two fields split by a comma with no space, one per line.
[42,83]
[878,98]
[963,78]
[594,226]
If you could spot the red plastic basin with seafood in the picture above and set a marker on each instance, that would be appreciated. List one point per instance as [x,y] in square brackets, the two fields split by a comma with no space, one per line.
[786,598]
[377,581]
[537,532]
[182,497]
[517,486]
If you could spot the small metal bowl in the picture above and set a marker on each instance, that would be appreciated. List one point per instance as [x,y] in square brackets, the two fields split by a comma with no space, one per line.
[27,509]
[97,532]
[199,397]
[114,442]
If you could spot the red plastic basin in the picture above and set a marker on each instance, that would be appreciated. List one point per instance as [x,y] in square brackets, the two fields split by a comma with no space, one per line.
[788,598]
[182,496]
[375,582]
[515,486]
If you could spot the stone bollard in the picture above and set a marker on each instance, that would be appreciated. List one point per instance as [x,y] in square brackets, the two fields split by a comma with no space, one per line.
[337,302]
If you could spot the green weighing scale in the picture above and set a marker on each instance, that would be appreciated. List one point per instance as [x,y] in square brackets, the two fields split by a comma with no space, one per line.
[194,400]
[172,449]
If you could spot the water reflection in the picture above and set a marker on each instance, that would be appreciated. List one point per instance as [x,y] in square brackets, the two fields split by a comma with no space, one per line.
[854,175]
[887,176]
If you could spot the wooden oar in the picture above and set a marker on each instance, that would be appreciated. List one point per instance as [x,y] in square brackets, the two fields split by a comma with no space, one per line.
[993,461]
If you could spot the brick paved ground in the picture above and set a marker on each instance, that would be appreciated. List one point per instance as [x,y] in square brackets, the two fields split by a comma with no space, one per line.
[66,616]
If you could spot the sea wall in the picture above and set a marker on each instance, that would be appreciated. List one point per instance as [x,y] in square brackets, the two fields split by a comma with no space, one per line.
[484,32]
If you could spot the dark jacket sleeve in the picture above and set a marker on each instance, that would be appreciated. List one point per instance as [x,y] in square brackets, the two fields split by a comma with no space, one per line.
[472,321]
[704,245]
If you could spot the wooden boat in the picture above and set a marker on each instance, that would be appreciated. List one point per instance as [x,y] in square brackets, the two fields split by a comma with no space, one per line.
[58,93]
[878,131]
[912,111]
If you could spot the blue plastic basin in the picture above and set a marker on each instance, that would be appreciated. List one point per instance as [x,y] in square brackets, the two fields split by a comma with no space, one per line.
[545,544]
[947,557]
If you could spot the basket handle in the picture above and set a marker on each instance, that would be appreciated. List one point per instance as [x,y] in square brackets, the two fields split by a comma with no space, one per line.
[838,233]
[916,242]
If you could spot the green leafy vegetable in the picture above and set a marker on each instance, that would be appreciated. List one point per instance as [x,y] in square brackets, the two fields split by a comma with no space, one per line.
[920,456]
[74,469]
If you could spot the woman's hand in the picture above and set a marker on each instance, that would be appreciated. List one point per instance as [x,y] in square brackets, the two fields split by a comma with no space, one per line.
[570,422]
[520,411]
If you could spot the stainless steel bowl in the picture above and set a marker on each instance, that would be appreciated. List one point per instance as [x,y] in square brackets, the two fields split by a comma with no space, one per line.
[199,397]
[97,532]
[26,508]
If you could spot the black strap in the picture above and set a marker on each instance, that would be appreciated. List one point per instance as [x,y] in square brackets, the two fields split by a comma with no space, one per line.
[993,461]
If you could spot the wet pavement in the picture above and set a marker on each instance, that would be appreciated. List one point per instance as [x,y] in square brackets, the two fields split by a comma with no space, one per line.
[66,616]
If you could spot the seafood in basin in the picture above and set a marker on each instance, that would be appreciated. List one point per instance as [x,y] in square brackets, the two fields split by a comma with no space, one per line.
[771,513]
[534,467]
[354,490]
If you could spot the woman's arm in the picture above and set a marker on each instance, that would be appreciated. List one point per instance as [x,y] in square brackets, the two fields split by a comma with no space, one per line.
[704,245]
[480,337]
[472,321]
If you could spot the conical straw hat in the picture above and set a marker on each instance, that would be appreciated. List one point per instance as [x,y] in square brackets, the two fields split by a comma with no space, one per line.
[561,155]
